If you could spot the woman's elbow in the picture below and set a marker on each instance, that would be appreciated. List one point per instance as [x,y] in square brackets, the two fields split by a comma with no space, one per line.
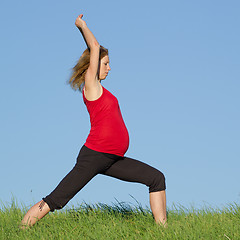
[95,45]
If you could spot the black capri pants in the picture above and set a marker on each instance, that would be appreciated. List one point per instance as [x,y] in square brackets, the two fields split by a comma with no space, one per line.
[90,163]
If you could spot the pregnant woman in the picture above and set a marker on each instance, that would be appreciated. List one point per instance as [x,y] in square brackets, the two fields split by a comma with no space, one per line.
[108,140]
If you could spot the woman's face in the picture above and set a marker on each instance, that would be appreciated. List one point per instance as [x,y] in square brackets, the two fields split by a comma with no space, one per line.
[104,67]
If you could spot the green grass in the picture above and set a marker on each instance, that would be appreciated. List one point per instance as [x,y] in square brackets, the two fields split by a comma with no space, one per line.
[122,221]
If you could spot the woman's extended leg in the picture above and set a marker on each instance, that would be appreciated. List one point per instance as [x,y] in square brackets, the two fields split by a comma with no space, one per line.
[35,213]
[89,164]
[131,170]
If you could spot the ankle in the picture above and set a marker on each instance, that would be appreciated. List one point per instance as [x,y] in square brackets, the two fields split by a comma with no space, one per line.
[162,222]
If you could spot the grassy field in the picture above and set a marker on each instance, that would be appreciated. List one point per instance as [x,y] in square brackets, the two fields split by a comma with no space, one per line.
[123,221]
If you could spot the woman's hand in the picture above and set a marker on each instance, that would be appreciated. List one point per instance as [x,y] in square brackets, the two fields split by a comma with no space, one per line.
[79,22]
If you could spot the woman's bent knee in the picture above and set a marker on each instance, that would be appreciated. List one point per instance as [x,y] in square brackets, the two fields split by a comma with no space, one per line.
[158,182]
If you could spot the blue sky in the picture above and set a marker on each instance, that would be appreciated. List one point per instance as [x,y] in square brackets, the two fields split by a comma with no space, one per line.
[175,72]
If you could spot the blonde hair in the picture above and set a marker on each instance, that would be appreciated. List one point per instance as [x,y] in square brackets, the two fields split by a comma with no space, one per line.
[77,78]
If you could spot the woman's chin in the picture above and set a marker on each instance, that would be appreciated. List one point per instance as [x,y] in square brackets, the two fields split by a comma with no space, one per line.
[103,78]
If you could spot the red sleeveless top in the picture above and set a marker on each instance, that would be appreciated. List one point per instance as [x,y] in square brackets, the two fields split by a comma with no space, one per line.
[108,132]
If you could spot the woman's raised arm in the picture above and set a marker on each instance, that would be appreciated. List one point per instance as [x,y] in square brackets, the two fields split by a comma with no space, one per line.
[91,76]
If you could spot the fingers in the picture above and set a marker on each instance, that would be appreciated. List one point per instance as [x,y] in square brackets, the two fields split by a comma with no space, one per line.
[79,22]
[79,17]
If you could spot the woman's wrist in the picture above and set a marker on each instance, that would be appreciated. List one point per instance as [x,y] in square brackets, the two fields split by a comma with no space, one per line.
[82,26]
